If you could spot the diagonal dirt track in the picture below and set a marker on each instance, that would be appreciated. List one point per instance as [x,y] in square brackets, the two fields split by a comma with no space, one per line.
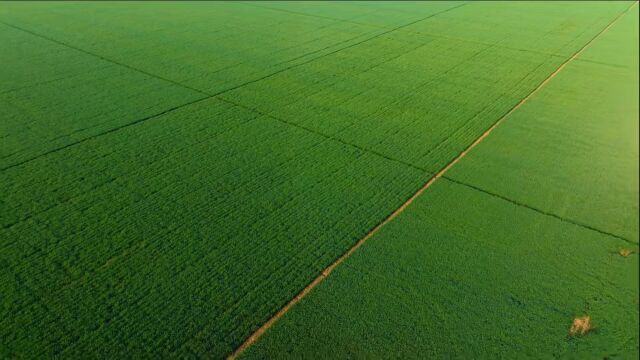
[327,271]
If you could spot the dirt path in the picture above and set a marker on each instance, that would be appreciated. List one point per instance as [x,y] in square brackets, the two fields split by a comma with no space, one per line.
[325,273]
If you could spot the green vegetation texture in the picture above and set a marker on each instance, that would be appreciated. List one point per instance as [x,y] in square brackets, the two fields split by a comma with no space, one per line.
[173,173]
[497,260]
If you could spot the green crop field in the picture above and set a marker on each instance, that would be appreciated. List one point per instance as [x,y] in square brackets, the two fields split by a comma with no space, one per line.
[319,180]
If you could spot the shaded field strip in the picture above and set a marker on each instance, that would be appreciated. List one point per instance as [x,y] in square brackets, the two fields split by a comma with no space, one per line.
[327,271]
[35,85]
[329,137]
[602,63]
[439,36]
[336,51]
[100,57]
[52,151]
[348,21]
[540,211]
[216,96]
[143,71]
[207,95]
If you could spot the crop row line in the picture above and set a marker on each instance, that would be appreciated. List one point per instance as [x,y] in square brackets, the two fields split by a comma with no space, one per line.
[348,21]
[439,36]
[412,90]
[329,137]
[327,271]
[252,224]
[108,131]
[230,214]
[288,60]
[98,56]
[477,114]
[255,225]
[333,52]
[540,211]
[346,99]
[207,95]
[601,63]
[530,73]
[174,153]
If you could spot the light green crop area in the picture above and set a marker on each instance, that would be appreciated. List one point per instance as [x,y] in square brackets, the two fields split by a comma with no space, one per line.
[572,151]
[173,173]
[463,274]
[499,260]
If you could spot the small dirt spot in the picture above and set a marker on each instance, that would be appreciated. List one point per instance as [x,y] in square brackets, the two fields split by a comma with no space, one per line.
[580,326]
[625,252]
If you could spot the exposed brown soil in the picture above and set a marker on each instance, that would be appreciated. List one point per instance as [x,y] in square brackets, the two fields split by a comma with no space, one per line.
[625,252]
[581,326]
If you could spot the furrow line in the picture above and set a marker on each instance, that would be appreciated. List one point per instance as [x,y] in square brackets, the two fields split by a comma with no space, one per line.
[329,137]
[336,51]
[103,133]
[540,211]
[101,57]
[420,33]
[327,271]
[348,21]
[208,96]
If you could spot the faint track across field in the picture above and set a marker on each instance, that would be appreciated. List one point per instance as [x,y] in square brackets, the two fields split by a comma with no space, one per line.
[327,271]
[206,94]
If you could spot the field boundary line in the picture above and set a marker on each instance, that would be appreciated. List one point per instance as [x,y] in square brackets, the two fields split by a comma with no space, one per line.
[122,126]
[348,21]
[383,27]
[338,50]
[101,57]
[329,137]
[207,95]
[327,271]
[542,212]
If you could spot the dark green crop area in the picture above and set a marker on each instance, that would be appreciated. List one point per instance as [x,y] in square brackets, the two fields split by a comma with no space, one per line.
[463,274]
[519,238]
[173,173]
